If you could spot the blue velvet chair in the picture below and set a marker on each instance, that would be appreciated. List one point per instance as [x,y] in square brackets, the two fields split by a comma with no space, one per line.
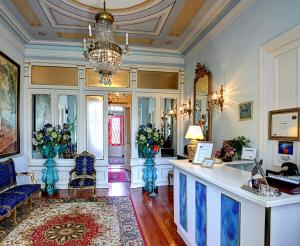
[83,176]
[13,195]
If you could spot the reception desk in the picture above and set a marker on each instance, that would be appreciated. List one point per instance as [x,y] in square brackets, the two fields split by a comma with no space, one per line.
[210,208]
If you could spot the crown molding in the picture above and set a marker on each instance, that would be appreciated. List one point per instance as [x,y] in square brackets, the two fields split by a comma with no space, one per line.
[232,15]
[205,20]
[14,24]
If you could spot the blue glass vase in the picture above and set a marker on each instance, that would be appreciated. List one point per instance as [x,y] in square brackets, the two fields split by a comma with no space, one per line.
[150,175]
[50,172]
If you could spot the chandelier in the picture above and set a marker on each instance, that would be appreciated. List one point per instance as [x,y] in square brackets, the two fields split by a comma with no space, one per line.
[102,53]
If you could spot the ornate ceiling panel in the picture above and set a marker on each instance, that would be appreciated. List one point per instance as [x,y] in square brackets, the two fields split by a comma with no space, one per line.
[163,24]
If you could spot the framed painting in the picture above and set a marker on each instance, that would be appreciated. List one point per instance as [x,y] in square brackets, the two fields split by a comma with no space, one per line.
[246,110]
[9,106]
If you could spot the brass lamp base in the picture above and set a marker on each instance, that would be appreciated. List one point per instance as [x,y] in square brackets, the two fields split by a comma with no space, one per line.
[191,148]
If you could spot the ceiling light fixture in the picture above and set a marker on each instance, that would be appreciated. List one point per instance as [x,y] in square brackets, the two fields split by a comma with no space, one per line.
[103,54]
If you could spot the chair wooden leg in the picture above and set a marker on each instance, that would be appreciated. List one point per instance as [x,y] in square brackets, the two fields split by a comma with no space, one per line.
[30,203]
[69,193]
[14,216]
[94,191]
[75,193]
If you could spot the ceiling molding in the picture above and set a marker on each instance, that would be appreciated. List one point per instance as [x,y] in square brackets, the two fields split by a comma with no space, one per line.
[185,17]
[27,12]
[162,15]
[232,15]
[212,12]
[14,24]
[132,10]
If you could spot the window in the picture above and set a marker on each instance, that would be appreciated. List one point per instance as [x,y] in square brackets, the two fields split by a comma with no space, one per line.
[94,125]
[147,113]
[169,126]
[67,118]
[115,130]
[41,115]
[147,109]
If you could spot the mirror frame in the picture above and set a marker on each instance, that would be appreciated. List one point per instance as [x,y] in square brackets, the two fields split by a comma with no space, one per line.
[200,72]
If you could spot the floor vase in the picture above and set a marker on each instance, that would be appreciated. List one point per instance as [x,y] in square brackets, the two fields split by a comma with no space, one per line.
[150,176]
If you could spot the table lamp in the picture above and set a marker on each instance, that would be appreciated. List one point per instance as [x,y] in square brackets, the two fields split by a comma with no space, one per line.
[194,133]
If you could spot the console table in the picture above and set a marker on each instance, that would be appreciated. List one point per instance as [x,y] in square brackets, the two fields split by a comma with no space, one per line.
[211,209]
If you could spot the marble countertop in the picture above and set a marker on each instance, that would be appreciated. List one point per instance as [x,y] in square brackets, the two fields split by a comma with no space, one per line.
[231,179]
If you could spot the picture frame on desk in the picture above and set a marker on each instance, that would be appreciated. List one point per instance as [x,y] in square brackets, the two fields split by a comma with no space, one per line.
[203,150]
[208,162]
[284,124]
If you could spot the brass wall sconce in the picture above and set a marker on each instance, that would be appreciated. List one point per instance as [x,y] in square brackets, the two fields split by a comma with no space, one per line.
[216,99]
[186,108]
[171,113]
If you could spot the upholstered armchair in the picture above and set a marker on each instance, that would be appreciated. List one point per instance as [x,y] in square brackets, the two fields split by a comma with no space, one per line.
[83,176]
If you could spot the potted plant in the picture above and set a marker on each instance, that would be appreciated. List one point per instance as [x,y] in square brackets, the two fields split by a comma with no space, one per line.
[149,140]
[232,149]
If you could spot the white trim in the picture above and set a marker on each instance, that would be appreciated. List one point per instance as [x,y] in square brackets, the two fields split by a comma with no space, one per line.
[268,52]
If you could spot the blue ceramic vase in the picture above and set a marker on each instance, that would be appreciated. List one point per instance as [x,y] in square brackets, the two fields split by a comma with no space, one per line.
[50,172]
[150,175]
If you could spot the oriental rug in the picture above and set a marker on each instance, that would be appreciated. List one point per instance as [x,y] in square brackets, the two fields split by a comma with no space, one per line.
[60,222]
[120,175]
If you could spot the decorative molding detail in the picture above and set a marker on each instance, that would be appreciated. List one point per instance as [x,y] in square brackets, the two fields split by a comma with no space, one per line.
[27,12]
[234,13]
[14,24]
[185,17]
[132,10]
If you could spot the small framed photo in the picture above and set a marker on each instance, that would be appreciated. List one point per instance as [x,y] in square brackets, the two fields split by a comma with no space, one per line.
[203,150]
[248,153]
[208,162]
[246,110]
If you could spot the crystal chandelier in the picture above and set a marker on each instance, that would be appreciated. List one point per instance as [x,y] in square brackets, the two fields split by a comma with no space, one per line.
[103,54]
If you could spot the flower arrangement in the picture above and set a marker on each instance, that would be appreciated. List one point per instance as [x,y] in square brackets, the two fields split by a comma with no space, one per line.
[51,140]
[232,148]
[149,140]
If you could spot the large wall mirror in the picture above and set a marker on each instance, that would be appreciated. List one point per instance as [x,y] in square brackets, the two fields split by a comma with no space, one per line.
[202,90]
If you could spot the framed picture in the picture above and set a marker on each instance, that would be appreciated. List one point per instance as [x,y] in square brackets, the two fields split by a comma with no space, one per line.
[208,162]
[284,124]
[203,150]
[285,148]
[9,106]
[246,110]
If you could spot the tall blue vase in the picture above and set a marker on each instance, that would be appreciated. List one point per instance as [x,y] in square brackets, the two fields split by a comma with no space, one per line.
[50,176]
[149,175]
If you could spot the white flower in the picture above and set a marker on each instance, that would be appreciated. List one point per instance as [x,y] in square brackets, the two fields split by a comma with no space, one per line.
[148,130]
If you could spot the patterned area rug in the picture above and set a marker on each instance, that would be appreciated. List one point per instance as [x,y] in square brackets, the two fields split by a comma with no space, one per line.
[59,222]
[118,176]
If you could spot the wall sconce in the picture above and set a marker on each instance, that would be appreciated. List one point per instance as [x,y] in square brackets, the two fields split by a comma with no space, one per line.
[186,109]
[216,99]
[173,112]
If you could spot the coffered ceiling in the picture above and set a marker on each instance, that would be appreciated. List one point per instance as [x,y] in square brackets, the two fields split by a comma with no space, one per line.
[166,24]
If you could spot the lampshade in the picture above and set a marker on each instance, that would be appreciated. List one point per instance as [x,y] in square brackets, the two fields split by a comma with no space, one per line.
[194,132]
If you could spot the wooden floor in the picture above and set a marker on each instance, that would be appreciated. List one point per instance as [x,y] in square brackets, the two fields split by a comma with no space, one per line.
[155,215]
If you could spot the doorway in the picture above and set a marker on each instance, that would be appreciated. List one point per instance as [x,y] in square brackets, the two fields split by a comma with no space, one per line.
[119,148]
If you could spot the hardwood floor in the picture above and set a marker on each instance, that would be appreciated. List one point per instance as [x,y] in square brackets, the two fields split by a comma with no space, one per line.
[155,215]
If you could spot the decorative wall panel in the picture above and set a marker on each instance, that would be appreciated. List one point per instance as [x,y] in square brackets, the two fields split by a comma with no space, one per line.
[183,201]
[157,80]
[230,221]
[58,76]
[200,214]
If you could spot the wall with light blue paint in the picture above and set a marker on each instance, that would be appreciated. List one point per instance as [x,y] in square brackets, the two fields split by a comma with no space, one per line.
[14,48]
[233,57]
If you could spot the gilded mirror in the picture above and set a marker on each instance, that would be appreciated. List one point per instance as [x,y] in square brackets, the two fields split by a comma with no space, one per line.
[202,90]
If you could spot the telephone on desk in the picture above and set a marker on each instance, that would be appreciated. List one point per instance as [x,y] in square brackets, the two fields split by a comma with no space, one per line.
[287,179]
